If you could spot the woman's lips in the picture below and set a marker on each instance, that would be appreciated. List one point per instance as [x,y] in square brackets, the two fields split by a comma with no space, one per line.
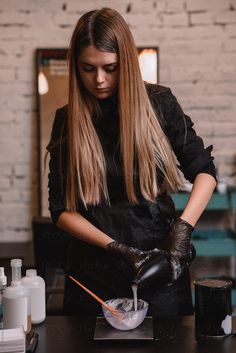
[102,89]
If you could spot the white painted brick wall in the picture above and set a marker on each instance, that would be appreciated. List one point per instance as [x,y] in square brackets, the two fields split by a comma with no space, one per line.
[202,5]
[197,40]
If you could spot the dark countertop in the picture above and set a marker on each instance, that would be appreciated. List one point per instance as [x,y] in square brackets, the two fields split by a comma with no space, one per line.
[71,334]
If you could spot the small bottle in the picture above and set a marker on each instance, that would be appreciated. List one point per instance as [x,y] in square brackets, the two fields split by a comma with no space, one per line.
[36,285]
[16,301]
[3,284]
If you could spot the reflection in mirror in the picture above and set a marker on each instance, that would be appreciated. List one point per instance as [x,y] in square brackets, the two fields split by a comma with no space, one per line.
[52,74]
[148,64]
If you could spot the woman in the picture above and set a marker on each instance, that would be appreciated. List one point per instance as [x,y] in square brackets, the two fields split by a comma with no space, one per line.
[112,167]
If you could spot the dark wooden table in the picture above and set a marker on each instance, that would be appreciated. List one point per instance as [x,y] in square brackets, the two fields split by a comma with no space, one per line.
[71,334]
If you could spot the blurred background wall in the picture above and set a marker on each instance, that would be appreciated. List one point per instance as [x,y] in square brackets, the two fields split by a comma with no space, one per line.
[197,41]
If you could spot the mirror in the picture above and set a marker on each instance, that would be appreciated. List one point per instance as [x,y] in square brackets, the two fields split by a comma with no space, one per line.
[52,89]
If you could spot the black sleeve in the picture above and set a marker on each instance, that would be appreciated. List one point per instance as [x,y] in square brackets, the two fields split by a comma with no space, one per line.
[57,166]
[188,147]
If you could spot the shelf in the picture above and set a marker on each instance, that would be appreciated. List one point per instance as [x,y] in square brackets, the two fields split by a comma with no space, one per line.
[214,242]
[226,247]
[218,201]
[180,200]
[233,199]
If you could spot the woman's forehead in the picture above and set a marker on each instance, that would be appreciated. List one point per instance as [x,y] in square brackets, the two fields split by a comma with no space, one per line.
[96,57]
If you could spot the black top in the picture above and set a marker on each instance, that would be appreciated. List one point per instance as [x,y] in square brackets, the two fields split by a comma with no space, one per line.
[189,149]
[145,225]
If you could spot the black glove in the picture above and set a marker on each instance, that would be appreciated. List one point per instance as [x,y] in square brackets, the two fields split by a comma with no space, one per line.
[157,265]
[135,257]
[148,266]
[181,251]
[180,242]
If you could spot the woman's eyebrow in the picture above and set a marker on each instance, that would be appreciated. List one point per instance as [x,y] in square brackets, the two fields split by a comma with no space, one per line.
[110,64]
[83,62]
[86,63]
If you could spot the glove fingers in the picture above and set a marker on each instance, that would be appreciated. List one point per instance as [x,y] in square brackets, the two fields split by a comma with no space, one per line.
[135,257]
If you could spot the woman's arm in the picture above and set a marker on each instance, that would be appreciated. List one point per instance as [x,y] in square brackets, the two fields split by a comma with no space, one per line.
[78,226]
[75,224]
[71,222]
[180,245]
[195,161]
[203,187]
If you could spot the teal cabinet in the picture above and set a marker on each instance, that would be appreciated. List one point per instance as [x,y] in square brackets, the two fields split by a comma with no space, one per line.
[217,202]
[214,242]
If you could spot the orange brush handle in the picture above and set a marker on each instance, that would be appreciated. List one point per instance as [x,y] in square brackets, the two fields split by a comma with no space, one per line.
[108,307]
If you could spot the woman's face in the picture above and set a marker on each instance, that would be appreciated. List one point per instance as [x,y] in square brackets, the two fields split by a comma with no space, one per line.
[98,71]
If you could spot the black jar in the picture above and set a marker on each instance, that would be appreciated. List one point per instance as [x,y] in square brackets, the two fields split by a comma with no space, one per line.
[213,307]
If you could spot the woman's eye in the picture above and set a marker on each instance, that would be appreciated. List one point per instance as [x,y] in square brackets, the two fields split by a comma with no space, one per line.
[111,68]
[108,69]
[88,68]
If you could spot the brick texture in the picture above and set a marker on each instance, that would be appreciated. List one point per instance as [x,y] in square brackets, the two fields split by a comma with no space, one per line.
[197,41]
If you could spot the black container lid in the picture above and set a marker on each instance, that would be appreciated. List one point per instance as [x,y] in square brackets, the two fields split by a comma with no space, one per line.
[213,282]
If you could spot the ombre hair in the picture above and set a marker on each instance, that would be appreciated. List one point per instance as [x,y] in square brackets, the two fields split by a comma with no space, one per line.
[143,145]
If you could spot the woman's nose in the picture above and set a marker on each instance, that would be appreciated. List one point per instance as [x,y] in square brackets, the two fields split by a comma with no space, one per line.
[100,77]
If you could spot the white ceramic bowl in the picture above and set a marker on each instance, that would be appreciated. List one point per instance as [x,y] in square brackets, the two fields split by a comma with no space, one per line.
[129,319]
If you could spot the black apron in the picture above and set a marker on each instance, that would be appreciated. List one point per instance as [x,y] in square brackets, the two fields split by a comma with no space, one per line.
[144,226]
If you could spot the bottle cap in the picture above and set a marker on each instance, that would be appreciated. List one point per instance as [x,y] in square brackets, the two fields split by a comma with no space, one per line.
[31,273]
[3,278]
[16,263]
[16,271]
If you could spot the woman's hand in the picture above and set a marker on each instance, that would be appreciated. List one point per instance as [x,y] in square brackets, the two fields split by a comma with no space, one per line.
[149,266]
[135,257]
[180,242]
[153,266]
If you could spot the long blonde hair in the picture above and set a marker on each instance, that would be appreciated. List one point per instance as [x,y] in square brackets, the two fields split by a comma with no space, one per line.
[143,145]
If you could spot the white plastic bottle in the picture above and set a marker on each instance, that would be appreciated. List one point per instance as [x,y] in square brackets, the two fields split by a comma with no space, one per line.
[16,301]
[36,285]
[3,284]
